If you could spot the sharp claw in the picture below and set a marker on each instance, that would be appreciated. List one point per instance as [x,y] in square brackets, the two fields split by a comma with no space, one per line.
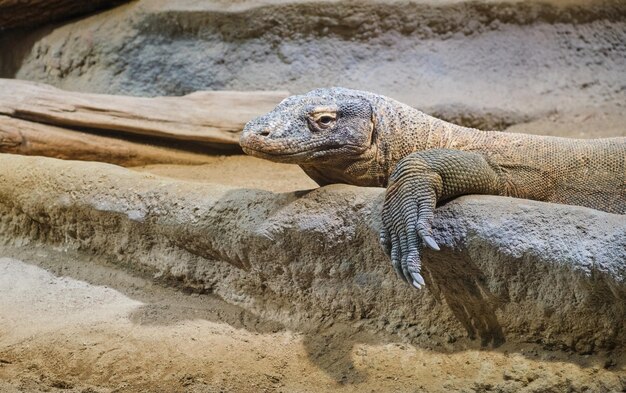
[405,270]
[399,274]
[398,269]
[418,280]
[430,242]
[413,266]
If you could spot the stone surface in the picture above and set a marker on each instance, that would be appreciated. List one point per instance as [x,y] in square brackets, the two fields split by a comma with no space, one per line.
[509,270]
[487,64]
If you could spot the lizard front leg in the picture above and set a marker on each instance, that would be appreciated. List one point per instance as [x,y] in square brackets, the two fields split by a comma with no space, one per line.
[417,183]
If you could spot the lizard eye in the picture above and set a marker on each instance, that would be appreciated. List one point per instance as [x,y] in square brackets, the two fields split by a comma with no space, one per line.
[321,118]
[325,120]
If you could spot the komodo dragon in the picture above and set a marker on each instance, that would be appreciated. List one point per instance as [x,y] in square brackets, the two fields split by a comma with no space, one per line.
[339,135]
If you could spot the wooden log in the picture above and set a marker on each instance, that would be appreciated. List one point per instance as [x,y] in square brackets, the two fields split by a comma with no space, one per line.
[207,116]
[34,13]
[28,138]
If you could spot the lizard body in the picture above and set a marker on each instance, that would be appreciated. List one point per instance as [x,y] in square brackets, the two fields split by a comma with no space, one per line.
[347,136]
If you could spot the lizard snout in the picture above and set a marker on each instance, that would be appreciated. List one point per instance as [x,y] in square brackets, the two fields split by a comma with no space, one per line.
[254,136]
[254,129]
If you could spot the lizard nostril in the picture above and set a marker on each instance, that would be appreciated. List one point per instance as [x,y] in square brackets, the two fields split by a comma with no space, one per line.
[264,133]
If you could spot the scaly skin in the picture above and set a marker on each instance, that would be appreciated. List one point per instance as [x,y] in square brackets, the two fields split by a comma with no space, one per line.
[346,136]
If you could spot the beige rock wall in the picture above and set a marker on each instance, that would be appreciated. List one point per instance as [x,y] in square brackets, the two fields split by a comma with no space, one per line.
[487,64]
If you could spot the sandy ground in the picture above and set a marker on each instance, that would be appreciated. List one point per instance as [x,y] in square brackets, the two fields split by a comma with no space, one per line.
[67,325]
[605,121]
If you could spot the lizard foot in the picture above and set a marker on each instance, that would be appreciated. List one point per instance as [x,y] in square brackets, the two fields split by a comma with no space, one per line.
[415,186]
[407,213]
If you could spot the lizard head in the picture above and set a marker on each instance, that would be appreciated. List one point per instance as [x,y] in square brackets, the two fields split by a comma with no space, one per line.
[313,128]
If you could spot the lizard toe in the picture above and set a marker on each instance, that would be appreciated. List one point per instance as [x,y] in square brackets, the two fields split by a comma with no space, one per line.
[395,257]
[404,258]
[385,241]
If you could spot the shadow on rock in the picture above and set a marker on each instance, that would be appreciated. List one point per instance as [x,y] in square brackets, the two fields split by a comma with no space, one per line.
[462,285]
[175,307]
[332,348]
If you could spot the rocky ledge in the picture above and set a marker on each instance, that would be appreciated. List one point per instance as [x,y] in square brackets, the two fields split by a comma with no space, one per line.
[509,269]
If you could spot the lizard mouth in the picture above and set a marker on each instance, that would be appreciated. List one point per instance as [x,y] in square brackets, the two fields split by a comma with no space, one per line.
[273,155]
[296,151]
[297,157]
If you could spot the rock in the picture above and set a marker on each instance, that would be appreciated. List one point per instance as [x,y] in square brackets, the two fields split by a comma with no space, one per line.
[34,13]
[482,64]
[509,269]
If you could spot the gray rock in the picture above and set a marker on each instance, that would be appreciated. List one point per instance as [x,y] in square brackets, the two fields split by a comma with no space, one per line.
[509,269]
[483,64]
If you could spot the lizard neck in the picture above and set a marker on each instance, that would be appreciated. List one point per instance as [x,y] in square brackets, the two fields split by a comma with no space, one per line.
[400,130]
[363,170]
[405,130]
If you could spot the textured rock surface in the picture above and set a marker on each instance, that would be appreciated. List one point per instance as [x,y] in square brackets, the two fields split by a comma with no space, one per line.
[486,64]
[509,269]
